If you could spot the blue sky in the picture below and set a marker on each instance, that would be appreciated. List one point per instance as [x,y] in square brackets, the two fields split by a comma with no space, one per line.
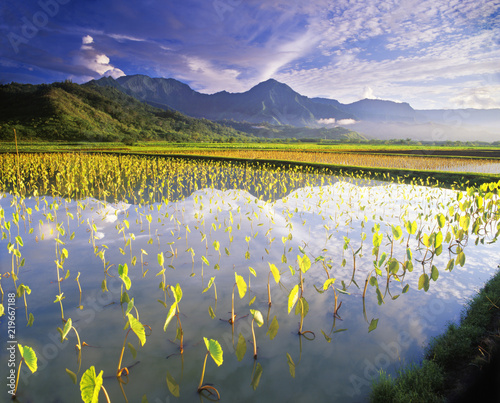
[430,53]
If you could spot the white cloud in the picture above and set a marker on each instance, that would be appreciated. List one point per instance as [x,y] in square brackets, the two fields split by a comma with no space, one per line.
[327,122]
[346,122]
[95,61]
[368,93]
[480,97]
[87,40]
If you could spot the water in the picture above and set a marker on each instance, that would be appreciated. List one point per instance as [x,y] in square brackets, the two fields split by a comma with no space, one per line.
[336,364]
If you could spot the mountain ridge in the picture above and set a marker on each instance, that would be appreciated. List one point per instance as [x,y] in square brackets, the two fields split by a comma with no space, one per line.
[277,103]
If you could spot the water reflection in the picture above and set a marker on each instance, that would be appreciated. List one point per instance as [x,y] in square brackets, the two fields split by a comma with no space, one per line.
[216,233]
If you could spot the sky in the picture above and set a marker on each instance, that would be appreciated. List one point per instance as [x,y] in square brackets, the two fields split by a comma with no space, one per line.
[432,54]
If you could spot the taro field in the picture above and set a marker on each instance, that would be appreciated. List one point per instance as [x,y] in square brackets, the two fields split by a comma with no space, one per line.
[152,279]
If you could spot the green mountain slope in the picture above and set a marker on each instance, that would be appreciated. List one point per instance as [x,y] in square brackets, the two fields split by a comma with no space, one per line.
[67,111]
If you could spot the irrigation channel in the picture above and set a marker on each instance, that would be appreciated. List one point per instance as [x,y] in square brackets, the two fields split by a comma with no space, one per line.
[333,278]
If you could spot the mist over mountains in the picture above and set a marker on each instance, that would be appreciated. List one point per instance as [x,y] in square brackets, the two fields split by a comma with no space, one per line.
[277,104]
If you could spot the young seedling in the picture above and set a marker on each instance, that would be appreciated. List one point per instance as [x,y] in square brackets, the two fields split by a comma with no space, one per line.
[138,328]
[257,317]
[210,284]
[64,332]
[174,311]
[276,274]
[242,289]
[215,351]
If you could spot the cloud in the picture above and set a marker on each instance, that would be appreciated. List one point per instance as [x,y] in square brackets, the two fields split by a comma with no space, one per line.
[340,122]
[327,122]
[98,63]
[480,98]
[368,93]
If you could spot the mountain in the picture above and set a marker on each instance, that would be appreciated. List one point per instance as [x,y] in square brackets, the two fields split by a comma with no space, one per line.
[269,101]
[67,111]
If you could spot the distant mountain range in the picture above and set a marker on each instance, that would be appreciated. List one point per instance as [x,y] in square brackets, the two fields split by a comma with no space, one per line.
[90,112]
[278,104]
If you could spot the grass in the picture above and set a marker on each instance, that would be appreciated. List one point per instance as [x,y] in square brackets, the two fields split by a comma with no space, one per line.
[450,356]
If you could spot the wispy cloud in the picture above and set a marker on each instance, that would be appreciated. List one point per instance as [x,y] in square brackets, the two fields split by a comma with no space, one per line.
[432,53]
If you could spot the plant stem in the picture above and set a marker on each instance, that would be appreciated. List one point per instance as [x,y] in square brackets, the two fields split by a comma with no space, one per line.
[203,372]
[18,373]
[254,342]
[118,373]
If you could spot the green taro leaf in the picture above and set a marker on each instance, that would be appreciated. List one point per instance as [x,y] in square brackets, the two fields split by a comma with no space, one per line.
[130,306]
[30,320]
[423,282]
[72,375]
[451,264]
[90,385]
[215,350]
[373,325]
[256,376]
[177,293]
[393,266]
[257,316]
[173,386]
[132,350]
[441,220]
[241,285]
[29,357]
[273,328]
[377,239]
[328,283]
[67,328]
[460,259]
[291,365]
[304,263]
[171,314]
[241,347]
[293,297]
[380,297]
[275,271]
[302,307]
[138,328]
[210,283]
[397,232]
[161,259]
[438,241]
[434,273]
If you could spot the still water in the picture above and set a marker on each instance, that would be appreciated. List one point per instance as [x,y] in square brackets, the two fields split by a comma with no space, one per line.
[235,232]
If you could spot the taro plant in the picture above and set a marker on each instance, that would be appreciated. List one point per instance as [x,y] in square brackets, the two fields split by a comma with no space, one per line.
[79,345]
[215,351]
[22,290]
[242,289]
[174,311]
[139,330]
[28,356]
[276,275]
[257,317]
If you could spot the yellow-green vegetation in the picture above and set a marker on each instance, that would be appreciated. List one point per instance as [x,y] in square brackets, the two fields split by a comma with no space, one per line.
[370,240]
